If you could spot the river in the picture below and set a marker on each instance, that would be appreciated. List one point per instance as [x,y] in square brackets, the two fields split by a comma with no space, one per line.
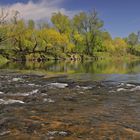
[97,100]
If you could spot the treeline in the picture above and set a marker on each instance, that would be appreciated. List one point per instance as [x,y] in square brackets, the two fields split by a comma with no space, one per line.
[81,37]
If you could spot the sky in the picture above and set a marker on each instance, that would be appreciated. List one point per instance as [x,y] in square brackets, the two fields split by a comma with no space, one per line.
[121,17]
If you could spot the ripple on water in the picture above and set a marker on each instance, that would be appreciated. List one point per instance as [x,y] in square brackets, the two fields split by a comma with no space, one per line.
[1,92]
[17,79]
[135,88]
[121,89]
[48,100]
[58,133]
[84,87]
[10,101]
[129,87]
[28,93]
[58,85]
[5,133]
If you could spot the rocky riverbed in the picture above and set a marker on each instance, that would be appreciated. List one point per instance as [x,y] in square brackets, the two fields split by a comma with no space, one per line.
[34,107]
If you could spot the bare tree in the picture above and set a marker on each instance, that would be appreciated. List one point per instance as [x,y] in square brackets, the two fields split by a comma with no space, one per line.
[15,15]
[3,15]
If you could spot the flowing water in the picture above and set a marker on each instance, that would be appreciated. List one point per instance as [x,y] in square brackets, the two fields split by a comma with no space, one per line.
[70,101]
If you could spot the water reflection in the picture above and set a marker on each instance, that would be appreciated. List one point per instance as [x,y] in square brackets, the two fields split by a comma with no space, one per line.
[103,70]
[93,67]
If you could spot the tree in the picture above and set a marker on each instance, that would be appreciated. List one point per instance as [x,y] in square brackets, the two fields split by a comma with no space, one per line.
[61,22]
[109,46]
[52,41]
[31,24]
[43,25]
[79,22]
[79,36]
[78,40]
[120,46]
[132,39]
[89,25]
[15,15]
[23,40]
[105,36]
[3,16]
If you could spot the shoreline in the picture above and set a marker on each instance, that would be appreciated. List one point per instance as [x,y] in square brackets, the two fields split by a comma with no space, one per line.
[97,57]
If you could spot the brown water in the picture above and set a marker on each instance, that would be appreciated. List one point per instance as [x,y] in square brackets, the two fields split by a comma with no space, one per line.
[85,101]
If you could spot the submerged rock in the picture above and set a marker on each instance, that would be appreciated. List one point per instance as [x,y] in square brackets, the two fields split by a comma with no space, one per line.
[16,79]
[84,87]
[121,89]
[34,91]
[130,85]
[112,91]
[70,98]
[28,93]
[1,92]
[58,133]
[10,101]
[135,89]
[48,100]
[31,84]
[59,85]
[4,133]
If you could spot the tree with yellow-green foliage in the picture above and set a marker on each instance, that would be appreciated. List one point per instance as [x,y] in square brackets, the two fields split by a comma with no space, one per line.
[62,38]
[120,46]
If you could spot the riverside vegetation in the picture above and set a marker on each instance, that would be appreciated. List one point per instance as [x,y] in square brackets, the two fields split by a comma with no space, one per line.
[67,100]
[78,38]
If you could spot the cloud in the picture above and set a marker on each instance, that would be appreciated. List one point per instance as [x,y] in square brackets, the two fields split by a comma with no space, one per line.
[39,10]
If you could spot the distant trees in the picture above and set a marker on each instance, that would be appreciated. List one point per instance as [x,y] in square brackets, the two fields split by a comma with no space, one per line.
[133,44]
[120,46]
[132,39]
[79,37]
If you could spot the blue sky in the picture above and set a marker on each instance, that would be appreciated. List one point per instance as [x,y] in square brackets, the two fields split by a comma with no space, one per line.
[121,17]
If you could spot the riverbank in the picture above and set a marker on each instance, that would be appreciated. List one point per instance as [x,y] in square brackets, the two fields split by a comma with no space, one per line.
[71,57]
[58,108]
